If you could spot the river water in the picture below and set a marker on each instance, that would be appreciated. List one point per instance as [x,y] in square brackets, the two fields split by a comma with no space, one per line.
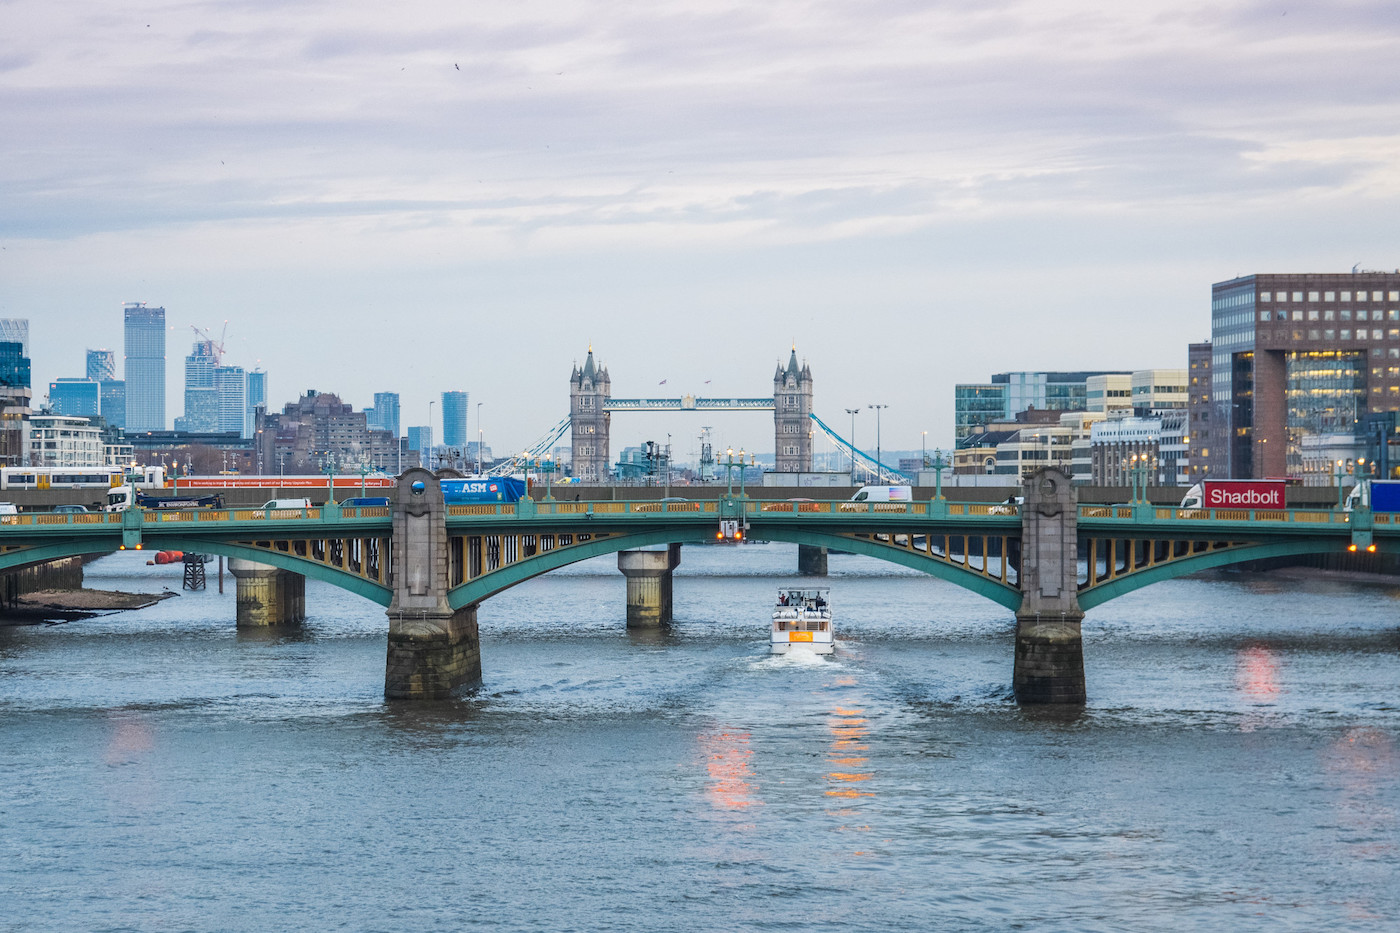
[1237,766]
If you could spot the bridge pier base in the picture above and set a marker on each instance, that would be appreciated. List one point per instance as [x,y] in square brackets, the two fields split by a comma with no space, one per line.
[811,560]
[266,595]
[649,576]
[1049,665]
[431,655]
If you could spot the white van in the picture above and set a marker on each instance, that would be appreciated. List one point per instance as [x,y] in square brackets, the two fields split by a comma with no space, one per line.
[883,494]
[286,504]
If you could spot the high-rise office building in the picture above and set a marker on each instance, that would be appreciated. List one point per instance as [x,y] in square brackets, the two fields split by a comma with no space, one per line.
[231,392]
[113,393]
[15,396]
[15,330]
[1302,362]
[78,397]
[978,404]
[420,438]
[257,396]
[454,419]
[144,347]
[201,393]
[386,412]
[101,365]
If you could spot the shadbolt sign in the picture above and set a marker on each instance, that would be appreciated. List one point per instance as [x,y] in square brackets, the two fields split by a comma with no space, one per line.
[1243,494]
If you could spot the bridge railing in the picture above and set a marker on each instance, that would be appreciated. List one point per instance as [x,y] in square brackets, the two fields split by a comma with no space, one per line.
[1293,516]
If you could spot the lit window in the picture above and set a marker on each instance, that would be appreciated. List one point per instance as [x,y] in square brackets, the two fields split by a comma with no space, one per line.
[1394,315]
[1393,333]
[1297,335]
[1266,296]
[1297,315]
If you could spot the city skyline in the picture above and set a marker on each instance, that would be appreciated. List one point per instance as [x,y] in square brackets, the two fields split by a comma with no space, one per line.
[946,190]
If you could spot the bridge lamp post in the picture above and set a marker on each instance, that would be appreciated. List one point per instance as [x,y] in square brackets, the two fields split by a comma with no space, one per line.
[939,464]
[853,412]
[549,476]
[879,463]
[729,472]
[430,433]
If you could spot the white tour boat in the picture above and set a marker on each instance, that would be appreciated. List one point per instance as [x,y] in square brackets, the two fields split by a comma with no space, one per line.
[802,620]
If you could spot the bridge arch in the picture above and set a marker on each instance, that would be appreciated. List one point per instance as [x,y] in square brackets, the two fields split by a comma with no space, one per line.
[1098,595]
[499,580]
[43,553]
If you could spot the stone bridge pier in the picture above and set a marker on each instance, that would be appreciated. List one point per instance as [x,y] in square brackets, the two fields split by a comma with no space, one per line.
[649,575]
[266,595]
[1049,664]
[433,649]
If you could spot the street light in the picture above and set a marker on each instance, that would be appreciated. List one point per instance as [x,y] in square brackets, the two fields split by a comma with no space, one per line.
[853,412]
[878,462]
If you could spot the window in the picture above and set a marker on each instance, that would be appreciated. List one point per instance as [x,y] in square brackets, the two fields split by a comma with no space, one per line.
[1329,296]
[1297,296]
[1297,315]
[1393,315]
[1263,315]
[1346,333]
[1361,314]
[1297,335]
[1266,296]
[1313,334]
[1375,296]
[1312,296]
[1346,314]
[1395,296]
[1346,296]
[1312,315]
[1376,334]
[1329,315]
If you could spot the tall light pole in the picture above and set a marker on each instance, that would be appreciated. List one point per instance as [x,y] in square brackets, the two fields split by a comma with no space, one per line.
[429,464]
[478,438]
[853,412]
[880,463]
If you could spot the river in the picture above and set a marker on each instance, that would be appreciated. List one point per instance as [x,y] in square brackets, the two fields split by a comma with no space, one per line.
[1237,765]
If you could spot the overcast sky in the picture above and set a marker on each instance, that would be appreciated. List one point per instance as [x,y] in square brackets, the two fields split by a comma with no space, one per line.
[419,196]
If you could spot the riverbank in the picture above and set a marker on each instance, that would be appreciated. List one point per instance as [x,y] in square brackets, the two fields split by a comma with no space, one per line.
[70,605]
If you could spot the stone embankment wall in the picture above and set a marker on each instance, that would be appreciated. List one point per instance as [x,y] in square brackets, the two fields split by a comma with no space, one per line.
[65,574]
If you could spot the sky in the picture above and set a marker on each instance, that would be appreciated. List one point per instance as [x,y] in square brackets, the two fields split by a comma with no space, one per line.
[421,196]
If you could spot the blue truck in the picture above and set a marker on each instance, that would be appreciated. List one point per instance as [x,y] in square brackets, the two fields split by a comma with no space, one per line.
[484,489]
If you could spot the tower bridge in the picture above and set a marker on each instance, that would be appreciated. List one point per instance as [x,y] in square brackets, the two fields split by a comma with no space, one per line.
[432,564]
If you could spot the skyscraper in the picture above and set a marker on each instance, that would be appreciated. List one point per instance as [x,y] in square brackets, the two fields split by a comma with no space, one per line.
[101,365]
[14,398]
[15,330]
[386,412]
[257,395]
[145,367]
[231,391]
[201,394]
[454,419]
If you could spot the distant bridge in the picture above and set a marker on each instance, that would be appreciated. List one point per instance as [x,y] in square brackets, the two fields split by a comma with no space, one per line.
[432,564]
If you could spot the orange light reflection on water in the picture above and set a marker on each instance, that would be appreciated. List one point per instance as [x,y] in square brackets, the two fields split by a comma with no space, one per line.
[1256,672]
[848,729]
[727,757]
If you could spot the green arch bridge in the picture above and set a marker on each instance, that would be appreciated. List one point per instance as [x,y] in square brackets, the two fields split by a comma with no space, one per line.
[430,564]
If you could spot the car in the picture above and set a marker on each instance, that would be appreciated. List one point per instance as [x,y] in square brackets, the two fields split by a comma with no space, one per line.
[359,502]
[69,509]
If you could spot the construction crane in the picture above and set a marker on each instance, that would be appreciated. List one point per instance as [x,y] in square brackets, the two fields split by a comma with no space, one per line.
[216,345]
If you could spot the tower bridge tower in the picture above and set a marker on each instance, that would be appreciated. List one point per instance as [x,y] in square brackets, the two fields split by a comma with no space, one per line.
[792,424]
[589,390]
